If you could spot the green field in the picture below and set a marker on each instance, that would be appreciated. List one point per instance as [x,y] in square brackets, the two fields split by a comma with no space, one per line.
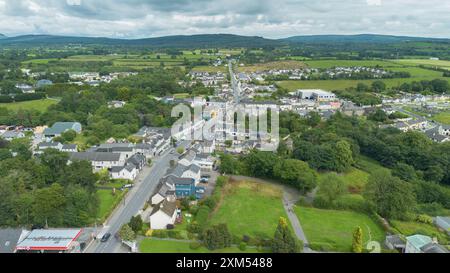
[250,208]
[412,228]
[355,179]
[333,63]
[108,202]
[210,69]
[343,84]
[39,105]
[442,117]
[166,246]
[426,62]
[271,65]
[331,230]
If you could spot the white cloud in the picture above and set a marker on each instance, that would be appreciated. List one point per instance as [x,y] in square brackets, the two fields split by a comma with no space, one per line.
[269,18]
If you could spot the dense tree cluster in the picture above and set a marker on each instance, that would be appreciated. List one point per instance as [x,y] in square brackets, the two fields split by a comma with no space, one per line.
[45,190]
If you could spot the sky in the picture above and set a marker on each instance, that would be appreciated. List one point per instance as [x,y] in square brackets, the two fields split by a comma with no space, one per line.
[266,18]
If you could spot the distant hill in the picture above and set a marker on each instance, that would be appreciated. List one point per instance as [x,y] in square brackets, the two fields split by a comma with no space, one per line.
[2,36]
[193,41]
[361,38]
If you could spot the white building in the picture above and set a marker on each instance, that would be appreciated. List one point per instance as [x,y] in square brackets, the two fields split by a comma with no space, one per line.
[163,215]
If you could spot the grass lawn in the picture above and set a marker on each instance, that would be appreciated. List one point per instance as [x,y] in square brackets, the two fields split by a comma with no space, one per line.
[333,229]
[355,179]
[412,228]
[442,117]
[369,165]
[161,246]
[250,208]
[39,105]
[108,202]
[210,69]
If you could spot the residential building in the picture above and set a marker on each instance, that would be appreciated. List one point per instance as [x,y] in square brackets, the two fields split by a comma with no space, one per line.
[60,127]
[163,215]
[128,172]
[10,135]
[100,161]
[43,83]
[164,191]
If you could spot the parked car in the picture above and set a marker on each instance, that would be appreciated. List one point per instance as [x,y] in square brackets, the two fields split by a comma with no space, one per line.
[204,180]
[128,186]
[105,237]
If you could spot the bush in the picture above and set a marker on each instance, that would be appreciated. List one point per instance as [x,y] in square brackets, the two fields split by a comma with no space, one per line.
[160,234]
[243,246]
[195,245]
[194,227]
[322,246]
[423,218]
[174,234]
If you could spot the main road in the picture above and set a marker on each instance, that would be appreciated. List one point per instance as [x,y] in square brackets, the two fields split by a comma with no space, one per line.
[234,83]
[133,202]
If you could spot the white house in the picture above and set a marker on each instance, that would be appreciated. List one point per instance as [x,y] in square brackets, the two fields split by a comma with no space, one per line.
[164,191]
[187,158]
[192,171]
[204,161]
[128,172]
[163,215]
[100,161]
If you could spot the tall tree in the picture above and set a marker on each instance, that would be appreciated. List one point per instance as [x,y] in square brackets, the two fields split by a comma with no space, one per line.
[284,241]
[357,245]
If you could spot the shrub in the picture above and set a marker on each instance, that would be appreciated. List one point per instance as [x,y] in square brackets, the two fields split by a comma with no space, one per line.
[243,246]
[195,245]
[423,218]
[160,234]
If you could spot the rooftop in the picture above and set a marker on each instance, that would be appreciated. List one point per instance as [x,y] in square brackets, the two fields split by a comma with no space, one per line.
[57,239]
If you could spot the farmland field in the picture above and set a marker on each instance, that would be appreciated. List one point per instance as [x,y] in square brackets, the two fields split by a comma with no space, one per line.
[343,84]
[348,63]
[331,230]
[39,105]
[426,62]
[272,65]
[250,208]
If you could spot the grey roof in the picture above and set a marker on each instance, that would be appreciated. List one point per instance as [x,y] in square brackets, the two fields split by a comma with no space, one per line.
[189,155]
[94,156]
[49,144]
[11,134]
[60,127]
[178,171]
[118,169]
[434,248]
[174,180]
[69,147]
[395,240]
[8,239]
[194,168]
[167,207]
[137,160]
[114,150]
[45,239]
[164,190]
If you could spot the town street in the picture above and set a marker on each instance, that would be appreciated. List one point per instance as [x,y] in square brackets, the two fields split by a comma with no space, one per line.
[132,204]
[234,83]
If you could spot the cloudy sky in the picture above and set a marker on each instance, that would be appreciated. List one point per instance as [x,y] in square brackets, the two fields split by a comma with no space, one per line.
[268,18]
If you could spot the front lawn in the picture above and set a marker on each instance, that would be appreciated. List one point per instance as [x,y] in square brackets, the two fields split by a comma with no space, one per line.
[331,230]
[108,202]
[168,246]
[250,208]
[412,228]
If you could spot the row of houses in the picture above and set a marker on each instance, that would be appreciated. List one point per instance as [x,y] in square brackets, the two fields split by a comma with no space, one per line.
[181,181]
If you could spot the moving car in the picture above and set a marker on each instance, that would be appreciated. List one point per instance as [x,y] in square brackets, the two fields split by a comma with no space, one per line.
[105,237]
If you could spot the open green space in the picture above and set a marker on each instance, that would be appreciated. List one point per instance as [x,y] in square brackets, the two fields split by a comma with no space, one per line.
[39,105]
[426,62]
[169,246]
[349,63]
[250,208]
[410,228]
[331,230]
[108,202]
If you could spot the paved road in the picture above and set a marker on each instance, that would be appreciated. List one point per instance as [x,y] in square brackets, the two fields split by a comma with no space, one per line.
[289,201]
[234,83]
[134,201]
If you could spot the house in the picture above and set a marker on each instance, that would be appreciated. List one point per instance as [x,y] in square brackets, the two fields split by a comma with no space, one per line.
[100,161]
[192,171]
[128,172]
[50,241]
[164,191]
[163,214]
[25,88]
[423,244]
[60,127]
[10,135]
[9,238]
[396,242]
[67,148]
[183,187]
[43,83]
[116,104]
[208,147]
[138,161]
[205,162]
[187,158]
[443,223]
